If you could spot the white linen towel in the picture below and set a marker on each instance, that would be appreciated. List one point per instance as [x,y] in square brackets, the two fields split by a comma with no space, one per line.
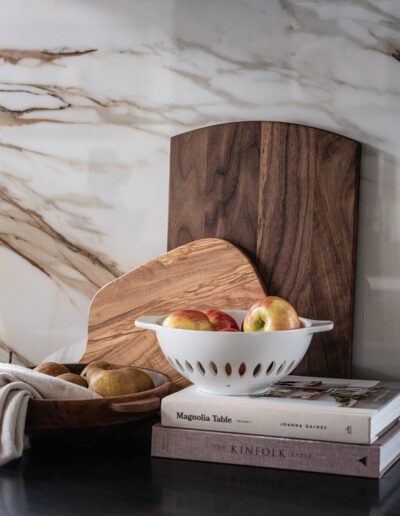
[17,385]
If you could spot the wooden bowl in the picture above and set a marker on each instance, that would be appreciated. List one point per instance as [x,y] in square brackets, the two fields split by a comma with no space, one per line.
[95,417]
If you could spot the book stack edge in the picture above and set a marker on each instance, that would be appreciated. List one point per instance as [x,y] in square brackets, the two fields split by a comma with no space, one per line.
[345,427]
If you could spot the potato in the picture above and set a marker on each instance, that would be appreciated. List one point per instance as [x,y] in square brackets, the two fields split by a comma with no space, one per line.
[73,378]
[52,369]
[117,382]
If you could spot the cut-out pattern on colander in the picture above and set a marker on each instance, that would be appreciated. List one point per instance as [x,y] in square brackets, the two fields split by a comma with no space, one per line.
[189,366]
[270,368]
[289,368]
[242,369]
[257,370]
[281,367]
[228,369]
[201,369]
[179,364]
[213,368]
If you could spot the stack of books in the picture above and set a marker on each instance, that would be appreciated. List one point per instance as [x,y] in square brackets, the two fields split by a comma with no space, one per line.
[340,426]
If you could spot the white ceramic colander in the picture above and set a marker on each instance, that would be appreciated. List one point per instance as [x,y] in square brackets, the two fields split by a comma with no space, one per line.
[233,363]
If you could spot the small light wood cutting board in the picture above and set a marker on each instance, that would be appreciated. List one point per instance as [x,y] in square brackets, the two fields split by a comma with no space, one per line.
[206,273]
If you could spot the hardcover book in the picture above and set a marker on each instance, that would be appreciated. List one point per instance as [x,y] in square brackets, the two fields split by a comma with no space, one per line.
[278,452]
[326,409]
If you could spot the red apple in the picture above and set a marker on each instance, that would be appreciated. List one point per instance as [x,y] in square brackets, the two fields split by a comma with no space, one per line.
[220,320]
[271,314]
[188,320]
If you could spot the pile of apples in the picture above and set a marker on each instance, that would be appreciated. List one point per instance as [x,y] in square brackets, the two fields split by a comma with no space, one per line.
[271,313]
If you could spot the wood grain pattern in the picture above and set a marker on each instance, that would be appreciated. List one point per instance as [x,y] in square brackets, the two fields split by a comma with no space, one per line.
[288,195]
[208,273]
[230,200]
[190,151]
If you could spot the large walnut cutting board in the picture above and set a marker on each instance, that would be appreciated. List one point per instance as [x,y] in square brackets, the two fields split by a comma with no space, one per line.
[287,194]
[207,273]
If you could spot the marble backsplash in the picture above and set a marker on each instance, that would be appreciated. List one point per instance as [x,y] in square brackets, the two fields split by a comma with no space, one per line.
[90,93]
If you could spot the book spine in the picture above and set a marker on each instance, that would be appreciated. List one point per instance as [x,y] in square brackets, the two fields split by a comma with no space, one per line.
[252,419]
[269,452]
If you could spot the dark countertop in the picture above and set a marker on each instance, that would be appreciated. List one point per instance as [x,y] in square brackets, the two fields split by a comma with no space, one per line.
[120,478]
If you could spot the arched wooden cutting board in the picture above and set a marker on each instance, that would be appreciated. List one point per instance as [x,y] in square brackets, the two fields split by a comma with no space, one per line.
[288,195]
[207,273]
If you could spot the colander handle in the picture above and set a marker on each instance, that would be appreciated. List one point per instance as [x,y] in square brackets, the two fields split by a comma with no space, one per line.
[148,322]
[138,406]
[319,326]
